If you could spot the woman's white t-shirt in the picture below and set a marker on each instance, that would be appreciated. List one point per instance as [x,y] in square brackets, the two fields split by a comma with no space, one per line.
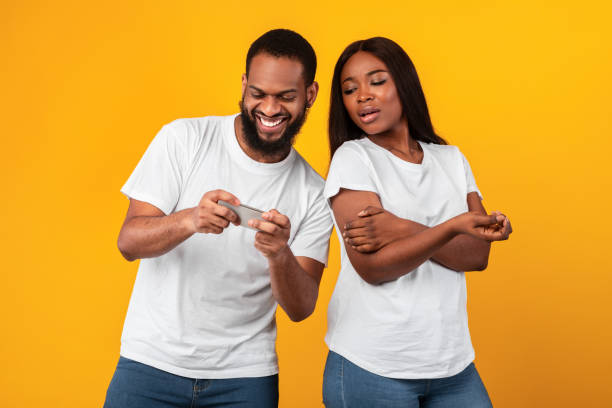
[415,326]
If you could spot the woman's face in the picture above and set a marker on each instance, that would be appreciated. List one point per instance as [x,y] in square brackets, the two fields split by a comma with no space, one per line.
[369,94]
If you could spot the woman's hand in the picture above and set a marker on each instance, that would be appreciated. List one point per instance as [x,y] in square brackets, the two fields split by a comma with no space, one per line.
[374,229]
[492,227]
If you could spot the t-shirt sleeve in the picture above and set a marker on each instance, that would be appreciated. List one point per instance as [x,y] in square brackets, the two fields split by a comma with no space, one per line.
[348,170]
[469,177]
[158,177]
[312,237]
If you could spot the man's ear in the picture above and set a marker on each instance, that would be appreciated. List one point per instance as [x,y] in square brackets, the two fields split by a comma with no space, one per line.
[311,93]
[244,83]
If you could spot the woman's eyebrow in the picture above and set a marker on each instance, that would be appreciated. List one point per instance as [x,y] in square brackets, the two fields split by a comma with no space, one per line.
[368,74]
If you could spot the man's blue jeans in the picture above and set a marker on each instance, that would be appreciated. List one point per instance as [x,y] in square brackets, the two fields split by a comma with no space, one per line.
[137,385]
[346,385]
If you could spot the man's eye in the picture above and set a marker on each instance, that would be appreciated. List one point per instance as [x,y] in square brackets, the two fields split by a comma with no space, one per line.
[289,98]
[257,95]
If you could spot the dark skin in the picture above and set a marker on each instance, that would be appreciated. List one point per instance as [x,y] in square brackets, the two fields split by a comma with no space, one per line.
[375,227]
[381,246]
[274,88]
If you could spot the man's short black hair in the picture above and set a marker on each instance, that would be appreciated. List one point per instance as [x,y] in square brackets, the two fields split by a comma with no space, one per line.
[285,43]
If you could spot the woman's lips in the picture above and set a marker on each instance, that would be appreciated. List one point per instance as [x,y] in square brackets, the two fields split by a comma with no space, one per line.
[369,116]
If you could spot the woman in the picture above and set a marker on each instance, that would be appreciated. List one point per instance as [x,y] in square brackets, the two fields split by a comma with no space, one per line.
[411,220]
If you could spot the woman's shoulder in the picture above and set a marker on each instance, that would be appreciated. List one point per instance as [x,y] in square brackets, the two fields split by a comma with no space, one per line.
[442,151]
[352,148]
[354,145]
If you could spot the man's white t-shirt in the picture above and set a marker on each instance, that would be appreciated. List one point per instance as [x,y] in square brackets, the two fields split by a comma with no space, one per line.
[415,326]
[205,309]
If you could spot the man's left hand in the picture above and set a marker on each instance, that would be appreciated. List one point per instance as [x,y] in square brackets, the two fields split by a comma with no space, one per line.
[271,239]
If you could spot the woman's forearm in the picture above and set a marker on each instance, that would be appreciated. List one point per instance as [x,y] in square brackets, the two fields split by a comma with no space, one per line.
[461,253]
[403,255]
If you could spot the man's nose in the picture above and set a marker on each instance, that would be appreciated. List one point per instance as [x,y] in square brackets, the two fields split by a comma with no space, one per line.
[270,106]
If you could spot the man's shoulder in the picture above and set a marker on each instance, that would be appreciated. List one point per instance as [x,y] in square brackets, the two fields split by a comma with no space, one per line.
[194,133]
[312,178]
[199,125]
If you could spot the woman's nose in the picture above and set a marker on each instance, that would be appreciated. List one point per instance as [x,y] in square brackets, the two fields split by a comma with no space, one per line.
[364,97]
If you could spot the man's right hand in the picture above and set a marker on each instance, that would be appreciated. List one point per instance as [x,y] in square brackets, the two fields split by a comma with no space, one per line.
[211,218]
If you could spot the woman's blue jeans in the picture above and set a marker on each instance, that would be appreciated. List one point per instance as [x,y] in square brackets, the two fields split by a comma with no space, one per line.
[137,385]
[346,385]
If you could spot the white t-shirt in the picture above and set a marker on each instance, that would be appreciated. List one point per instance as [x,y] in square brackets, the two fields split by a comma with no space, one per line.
[205,309]
[415,326]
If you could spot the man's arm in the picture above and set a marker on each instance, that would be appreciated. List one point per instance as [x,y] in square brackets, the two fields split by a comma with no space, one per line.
[147,232]
[376,228]
[295,280]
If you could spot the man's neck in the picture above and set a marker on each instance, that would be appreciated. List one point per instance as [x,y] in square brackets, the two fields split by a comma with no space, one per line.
[256,154]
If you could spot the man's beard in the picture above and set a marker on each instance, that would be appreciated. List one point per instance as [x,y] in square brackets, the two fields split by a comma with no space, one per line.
[283,144]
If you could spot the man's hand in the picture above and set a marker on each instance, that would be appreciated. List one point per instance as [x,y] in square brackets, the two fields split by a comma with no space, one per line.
[374,229]
[210,217]
[271,239]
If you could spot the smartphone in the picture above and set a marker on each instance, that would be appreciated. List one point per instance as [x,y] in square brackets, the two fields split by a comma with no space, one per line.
[244,212]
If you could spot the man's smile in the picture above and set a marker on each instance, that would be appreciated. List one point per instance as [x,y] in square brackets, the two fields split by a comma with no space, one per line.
[269,125]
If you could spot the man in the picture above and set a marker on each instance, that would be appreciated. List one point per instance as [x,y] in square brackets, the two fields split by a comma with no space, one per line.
[200,328]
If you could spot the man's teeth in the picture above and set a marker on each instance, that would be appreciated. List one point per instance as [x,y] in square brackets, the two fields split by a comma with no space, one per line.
[270,123]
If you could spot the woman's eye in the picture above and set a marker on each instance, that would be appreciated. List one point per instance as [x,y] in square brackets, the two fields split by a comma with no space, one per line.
[348,91]
[379,82]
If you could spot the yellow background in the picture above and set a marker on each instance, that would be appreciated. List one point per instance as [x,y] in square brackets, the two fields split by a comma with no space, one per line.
[523,89]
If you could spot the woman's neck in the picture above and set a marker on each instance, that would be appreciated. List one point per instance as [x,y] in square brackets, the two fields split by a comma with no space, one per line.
[399,142]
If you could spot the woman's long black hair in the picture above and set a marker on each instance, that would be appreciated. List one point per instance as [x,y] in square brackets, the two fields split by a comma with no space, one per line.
[414,106]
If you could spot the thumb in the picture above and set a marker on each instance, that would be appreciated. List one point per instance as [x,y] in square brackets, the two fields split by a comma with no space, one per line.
[485,219]
[225,196]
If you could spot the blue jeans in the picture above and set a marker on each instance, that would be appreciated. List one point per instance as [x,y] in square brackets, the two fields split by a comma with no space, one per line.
[137,385]
[346,385]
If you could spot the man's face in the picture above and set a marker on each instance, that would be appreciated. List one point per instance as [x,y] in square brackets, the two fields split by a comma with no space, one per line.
[274,102]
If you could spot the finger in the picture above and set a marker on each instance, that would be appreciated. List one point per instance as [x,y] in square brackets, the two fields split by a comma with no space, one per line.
[358,241]
[361,249]
[485,219]
[507,228]
[226,213]
[213,229]
[218,221]
[217,195]
[276,218]
[264,249]
[370,210]
[358,223]
[265,226]
[355,232]
[364,248]
[263,238]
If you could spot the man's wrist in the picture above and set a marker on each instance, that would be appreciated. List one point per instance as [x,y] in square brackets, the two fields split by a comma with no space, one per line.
[186,220]
[281,255]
